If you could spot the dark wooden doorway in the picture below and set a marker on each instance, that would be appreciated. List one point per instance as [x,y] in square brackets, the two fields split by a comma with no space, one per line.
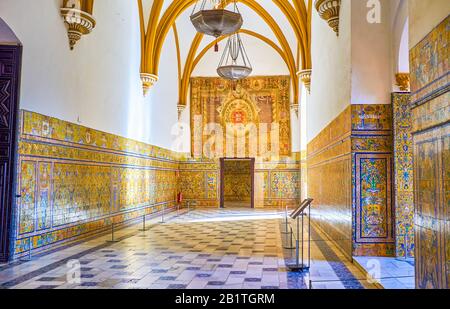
[10,69]
[222,179]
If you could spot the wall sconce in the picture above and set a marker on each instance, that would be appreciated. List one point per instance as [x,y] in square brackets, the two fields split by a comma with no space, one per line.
[329,11]
[77,15]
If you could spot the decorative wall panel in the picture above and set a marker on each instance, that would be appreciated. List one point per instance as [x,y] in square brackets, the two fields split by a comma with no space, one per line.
[350,178]
[329,181]
[373,215]
[403,169]
[76,181]
[253,101]
[430,103]
[200,182]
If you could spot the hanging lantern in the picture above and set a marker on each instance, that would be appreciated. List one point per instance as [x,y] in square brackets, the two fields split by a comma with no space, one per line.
[234,64]
[210,17]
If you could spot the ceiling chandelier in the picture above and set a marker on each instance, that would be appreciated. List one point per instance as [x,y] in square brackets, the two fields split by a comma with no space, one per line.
[234,64]
[210,17]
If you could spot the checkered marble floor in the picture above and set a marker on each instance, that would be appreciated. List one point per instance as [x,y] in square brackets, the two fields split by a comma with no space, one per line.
[203,248]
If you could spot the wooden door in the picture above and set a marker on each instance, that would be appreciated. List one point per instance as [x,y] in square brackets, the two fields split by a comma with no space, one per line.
[10,65]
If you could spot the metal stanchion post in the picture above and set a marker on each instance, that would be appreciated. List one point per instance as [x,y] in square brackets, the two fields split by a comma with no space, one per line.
[29,251]
[144,228]
[112,233]
[162,215]
[303,260]
[298,244]
[406,244]
[286,223]
[309,235]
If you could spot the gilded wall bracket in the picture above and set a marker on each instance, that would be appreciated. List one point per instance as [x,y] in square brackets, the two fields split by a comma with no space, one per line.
[148,81]
[402,80]
[78,18]
[329,11]
[305,77]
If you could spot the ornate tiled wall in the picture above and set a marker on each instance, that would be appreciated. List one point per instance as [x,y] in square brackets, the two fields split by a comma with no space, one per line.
[329,175]
[403,178]
[373,215]
[199,182]
[276,183]
[75,181]
[430,108]
[350,178]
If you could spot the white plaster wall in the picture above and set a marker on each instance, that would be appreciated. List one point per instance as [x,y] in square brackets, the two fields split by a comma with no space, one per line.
[97,84]
[371,55]
[163,97]
[424,16]
[400,37]
[331,79]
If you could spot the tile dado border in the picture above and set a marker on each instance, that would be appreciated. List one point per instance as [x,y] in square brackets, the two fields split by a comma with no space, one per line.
[40,225]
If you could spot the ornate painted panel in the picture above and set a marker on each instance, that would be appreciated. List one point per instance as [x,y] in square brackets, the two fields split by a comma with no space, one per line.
[259,103]
[350,178]
[76,181]
[430,104]
[403,169]
[372,143]
[373,211]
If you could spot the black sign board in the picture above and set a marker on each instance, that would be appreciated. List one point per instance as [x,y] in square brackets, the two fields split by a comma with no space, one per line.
[300,209]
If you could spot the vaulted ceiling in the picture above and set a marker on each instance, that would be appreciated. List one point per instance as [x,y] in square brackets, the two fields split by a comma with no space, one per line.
[283,25]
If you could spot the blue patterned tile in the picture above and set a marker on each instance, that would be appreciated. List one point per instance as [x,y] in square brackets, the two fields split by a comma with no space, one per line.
[252,279]
[89,284]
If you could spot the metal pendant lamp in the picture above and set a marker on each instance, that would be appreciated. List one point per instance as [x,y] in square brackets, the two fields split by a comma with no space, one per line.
[234,64]
[211,18]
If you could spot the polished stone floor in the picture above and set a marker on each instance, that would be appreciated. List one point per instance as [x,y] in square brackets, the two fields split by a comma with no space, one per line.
[390,272]
[203,248]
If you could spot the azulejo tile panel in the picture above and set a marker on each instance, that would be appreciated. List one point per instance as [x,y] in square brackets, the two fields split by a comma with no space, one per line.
[76,181]
[372,142]
[404,187]
[430,106]
[329,181]
[200,182]
[429,61]
[373,204]
[350,178]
